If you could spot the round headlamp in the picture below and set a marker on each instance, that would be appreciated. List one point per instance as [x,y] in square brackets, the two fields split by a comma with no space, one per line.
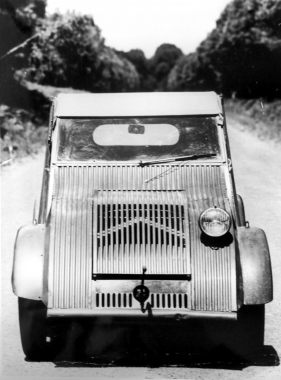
[215,222]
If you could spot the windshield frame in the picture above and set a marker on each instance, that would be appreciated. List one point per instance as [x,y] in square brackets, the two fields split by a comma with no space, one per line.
[219,159]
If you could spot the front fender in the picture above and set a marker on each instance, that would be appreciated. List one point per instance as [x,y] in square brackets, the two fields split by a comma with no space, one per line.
[255,265]
[27,275]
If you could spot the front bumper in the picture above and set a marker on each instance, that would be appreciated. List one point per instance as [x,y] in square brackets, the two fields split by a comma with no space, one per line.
[176,315]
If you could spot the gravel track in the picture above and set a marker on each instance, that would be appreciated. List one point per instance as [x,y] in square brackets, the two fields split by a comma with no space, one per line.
[257,171]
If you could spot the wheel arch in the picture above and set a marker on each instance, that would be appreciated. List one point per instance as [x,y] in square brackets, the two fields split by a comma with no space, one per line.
[255,265]
[28,265]
[241,211]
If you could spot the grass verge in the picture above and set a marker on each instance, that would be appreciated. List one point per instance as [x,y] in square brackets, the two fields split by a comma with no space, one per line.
[258,116]
[21,134]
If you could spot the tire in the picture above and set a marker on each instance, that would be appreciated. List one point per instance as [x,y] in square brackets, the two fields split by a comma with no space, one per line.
[247,337]
[33,329]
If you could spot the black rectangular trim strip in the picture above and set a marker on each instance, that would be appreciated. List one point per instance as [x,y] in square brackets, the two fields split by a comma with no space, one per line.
[120,276]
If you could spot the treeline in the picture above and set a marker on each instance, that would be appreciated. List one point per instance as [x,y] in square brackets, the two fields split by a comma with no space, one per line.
[69,51]
[240,58]
[42,55]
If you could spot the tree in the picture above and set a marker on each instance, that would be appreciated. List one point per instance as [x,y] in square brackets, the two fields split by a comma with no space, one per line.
[70,52]
[164,59]
[138,59]
[18,21]
[241,56]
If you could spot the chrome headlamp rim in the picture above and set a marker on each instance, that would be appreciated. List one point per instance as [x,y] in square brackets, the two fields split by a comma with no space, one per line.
[214,209]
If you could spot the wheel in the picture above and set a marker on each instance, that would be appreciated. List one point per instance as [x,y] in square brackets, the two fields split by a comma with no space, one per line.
[248,335]
[241,338]
[33,330]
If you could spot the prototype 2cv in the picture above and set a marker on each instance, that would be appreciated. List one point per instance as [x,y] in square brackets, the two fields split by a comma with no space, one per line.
[139,221]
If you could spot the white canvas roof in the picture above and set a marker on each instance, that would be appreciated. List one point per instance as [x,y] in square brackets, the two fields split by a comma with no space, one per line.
[137,104]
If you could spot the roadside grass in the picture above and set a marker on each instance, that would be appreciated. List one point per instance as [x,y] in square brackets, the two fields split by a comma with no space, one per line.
[21,134]
[261,117]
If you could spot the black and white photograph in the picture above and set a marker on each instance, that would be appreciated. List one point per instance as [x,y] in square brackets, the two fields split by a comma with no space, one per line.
[140,189]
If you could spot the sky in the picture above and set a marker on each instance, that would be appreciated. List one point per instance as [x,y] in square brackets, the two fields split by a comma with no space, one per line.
[146,24]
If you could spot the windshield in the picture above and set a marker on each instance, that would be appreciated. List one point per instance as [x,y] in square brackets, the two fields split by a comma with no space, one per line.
[136,139]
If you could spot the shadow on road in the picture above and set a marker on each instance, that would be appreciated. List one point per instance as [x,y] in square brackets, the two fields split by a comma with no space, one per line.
[107,345]
[220,359]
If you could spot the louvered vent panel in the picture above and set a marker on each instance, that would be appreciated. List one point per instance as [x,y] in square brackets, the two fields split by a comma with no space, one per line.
[156,300]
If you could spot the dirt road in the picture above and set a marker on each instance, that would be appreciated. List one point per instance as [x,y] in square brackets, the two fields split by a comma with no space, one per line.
[257,170]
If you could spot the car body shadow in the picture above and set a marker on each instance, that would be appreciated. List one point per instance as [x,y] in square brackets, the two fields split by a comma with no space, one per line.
[192,345]
[220,359]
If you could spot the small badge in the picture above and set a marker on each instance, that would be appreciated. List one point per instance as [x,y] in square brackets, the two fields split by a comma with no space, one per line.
[141,293]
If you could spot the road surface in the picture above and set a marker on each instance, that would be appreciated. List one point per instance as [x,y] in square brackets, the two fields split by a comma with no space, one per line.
[257,170]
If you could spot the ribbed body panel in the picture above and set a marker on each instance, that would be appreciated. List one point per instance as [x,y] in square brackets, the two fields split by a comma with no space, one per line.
[213,267]
[115,219]
[87,178]
[70,253]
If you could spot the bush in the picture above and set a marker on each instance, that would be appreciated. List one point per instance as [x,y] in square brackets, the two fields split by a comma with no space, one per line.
[20,134]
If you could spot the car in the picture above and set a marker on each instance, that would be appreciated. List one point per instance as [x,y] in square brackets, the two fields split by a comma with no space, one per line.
[140,223]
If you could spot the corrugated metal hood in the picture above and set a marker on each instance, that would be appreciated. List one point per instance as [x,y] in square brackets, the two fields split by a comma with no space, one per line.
[112,220]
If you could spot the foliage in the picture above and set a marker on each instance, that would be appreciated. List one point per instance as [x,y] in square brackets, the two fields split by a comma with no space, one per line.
[27,12]
[147,82]
[241,57]
[138,58]
[20,133]
[18,20]
[71,52]
[257,115]
[164,59]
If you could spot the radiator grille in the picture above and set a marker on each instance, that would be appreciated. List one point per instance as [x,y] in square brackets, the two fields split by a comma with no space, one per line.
[138,225]
[136,229]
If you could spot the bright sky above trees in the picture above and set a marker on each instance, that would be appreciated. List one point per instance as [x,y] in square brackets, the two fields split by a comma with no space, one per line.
[146,24]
